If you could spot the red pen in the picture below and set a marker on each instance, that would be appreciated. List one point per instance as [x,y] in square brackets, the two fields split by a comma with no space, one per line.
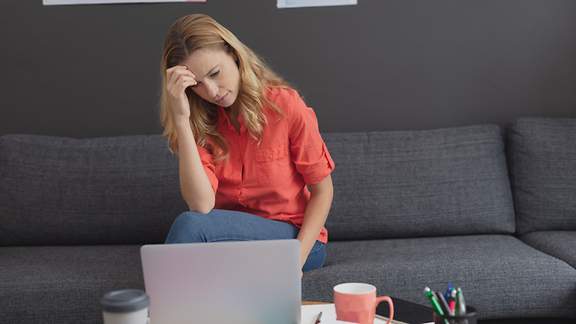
[452,302]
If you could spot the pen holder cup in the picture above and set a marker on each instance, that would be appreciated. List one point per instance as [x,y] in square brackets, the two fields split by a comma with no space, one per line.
[468,318]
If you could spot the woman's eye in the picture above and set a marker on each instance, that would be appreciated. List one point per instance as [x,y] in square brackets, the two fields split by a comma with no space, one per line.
[214,74]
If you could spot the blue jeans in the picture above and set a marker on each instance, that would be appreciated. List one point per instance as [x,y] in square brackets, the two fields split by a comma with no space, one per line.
[230,225]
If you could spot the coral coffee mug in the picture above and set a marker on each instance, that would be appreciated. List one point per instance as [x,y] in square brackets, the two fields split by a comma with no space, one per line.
[357,302]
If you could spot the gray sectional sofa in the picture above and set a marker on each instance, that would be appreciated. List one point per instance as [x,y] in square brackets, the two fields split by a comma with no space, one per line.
[491,209]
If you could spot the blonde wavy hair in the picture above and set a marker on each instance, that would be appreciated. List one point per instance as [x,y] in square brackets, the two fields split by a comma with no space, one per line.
[190,33]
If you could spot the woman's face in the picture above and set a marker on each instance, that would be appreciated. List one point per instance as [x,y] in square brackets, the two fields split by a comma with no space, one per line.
[217,75]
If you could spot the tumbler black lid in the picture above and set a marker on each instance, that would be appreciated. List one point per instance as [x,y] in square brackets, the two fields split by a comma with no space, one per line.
[124,300]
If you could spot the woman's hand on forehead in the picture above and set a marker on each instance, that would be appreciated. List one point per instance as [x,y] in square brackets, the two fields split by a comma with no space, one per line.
[181,67]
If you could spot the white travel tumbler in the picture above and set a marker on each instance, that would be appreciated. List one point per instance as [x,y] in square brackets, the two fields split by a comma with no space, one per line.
[125,306]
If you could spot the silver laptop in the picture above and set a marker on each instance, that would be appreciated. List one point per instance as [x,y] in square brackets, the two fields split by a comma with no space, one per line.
[245,282]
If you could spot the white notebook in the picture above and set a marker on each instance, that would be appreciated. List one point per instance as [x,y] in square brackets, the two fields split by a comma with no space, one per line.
[309,313]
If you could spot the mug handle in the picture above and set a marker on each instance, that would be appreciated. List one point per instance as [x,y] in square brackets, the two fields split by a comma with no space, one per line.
[390,306]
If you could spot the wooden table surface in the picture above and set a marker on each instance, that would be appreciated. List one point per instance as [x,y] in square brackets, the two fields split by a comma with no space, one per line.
[312,302]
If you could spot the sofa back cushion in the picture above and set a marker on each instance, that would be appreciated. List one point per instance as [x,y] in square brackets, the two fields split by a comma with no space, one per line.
[419,183]
[543,172]
[125,190]
[114,190]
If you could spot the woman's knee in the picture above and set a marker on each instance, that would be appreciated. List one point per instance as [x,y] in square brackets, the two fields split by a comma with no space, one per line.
[316,258]
[188,227]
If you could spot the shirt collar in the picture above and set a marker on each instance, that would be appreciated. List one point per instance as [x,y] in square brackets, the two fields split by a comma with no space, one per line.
[223,116]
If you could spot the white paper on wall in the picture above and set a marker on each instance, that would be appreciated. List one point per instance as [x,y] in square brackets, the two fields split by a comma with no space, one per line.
[313,3]
[82,2]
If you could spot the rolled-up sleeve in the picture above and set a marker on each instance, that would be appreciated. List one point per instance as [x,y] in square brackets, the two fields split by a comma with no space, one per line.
[208,164]
[307,148]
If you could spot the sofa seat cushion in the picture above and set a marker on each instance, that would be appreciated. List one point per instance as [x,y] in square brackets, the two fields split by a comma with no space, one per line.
[64,284]
[561,244]
[500,275]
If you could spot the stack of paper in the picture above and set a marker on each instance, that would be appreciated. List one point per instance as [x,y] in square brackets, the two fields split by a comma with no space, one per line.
[309,313]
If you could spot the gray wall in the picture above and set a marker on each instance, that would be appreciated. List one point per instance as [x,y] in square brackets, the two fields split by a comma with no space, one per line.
[86,71]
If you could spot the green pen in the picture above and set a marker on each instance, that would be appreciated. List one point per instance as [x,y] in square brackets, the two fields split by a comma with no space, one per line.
[434,301]
[460,303]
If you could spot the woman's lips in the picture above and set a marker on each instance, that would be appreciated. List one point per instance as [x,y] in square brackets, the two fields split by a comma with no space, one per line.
[220,100]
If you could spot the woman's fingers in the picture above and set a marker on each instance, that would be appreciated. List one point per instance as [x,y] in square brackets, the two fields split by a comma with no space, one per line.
[169,72]
[183,82]
[176,76]
[186,84]
[177,70]
[183,77]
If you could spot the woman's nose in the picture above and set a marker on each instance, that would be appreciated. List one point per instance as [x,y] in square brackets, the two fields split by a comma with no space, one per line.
[212,90]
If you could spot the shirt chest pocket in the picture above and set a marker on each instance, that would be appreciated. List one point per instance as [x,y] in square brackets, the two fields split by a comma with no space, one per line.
[272,165]
[271,154]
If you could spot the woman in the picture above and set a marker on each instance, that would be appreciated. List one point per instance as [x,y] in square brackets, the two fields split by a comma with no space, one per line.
[252,163]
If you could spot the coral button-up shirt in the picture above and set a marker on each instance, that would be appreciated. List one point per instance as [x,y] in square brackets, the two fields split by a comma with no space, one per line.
[270,180]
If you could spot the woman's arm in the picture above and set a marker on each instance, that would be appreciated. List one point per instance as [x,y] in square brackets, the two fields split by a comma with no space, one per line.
[315,216]
[194,183]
